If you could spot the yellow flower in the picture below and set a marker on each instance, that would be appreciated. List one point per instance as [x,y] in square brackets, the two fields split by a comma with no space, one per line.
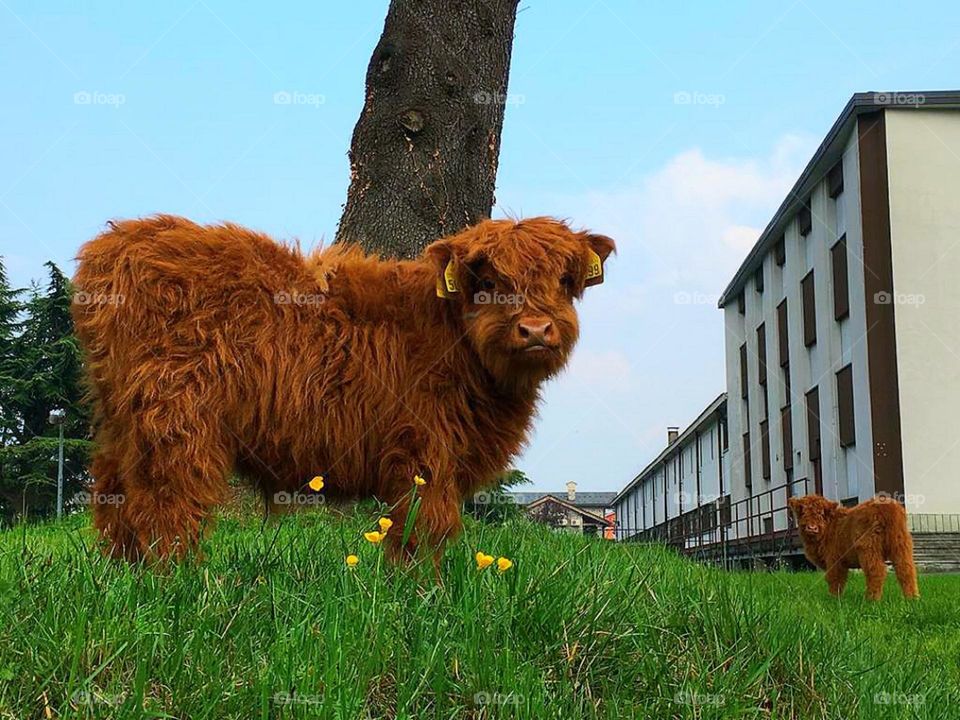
[317,483]
[483,561]
[385,524]
[503,564]
[375,537]
[419,480]
[352,560]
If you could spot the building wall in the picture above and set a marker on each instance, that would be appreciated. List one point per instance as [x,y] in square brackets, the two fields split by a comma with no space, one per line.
[846,472]
[923,147]
[670,487]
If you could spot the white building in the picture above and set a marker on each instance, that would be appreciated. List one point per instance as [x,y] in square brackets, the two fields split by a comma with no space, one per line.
[843,328]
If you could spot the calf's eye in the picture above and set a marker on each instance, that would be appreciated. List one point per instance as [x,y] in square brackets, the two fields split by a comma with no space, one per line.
[566,282]
[487,284]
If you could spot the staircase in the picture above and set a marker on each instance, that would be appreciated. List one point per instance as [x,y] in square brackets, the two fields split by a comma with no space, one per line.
[937,552]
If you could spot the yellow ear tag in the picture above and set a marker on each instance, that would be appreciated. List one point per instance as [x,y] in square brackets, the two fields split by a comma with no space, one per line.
[594,270]
[449,279]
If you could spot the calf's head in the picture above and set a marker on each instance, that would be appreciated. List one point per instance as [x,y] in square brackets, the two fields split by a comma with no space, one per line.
[514,284]
[813,513]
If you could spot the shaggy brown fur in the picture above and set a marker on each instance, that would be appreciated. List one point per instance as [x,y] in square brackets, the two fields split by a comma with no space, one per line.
[224,351]
[836,539]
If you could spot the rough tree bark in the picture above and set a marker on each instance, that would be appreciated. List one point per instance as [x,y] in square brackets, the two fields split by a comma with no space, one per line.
[423,158]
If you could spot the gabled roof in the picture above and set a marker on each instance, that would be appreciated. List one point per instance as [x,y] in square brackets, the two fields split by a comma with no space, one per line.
[564,503]
[719,403]
[826,156]
[582,499]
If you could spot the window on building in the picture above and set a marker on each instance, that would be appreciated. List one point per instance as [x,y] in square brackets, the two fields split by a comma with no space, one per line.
[758,278]
[786,431]
[780,252]
[841,292]
[813,423]
[835,180]
[783,333]
[741,303]
[808,292]
[724,440]
[762,354]
[845,422]
[765,449]
[743,371]
[805,218]
[747,475]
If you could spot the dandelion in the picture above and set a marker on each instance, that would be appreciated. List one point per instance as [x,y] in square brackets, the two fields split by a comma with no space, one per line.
[503,564]
[352,560]
[375,537]
[483,561]
[317,483]
[417,480]
[385,524]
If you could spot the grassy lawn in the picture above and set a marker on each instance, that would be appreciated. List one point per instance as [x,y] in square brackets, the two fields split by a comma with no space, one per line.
[273,625]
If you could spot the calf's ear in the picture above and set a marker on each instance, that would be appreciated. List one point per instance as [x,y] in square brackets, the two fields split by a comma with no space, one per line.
[440,253]
[599,248]
[793,503]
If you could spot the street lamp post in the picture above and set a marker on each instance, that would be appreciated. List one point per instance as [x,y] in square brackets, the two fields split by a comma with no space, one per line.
[57,417]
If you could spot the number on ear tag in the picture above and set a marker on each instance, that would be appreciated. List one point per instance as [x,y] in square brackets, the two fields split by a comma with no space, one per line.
[450,279]
[594,270]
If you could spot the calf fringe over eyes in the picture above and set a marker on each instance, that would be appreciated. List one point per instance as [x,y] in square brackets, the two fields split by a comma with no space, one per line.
[213,350]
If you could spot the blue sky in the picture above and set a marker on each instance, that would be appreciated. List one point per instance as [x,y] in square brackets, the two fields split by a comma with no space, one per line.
[676,128]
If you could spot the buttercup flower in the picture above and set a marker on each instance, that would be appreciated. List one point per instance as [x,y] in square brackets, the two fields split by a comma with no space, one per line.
[503,564]
[483,561]
[352,560]
[375,537]
[317,483]
[385,524]
[419,480]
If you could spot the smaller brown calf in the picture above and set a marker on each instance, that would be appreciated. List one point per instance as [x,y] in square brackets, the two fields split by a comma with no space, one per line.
[836,539]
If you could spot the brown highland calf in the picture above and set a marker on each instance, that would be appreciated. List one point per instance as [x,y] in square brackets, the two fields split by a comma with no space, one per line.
[221,351]
[836,539]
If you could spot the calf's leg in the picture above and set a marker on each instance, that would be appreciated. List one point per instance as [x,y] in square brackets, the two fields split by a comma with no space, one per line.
[837,579]
[875,572]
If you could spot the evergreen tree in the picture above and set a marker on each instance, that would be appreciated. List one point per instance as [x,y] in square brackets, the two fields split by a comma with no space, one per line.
[45,372]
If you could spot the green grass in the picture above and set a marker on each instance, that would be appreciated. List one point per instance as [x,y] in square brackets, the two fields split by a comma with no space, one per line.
[272,625]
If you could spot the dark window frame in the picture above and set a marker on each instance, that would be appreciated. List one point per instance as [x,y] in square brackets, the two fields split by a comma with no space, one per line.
[841,279]
[744,373]
[762,354]
[765,449]
[786,433]
[812,404]
[835,180]
[846,419]
[780,252]
[741,303]
[758,279]
[805,218]
[747,471]
[808,292]
[783,333]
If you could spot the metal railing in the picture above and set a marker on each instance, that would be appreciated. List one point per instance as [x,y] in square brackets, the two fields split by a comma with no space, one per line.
[721,528]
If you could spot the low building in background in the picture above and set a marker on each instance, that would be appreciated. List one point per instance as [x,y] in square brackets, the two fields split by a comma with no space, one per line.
[579,512]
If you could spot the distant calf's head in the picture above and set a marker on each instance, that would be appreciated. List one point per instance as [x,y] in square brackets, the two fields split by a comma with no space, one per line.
[514,284]
[813,513]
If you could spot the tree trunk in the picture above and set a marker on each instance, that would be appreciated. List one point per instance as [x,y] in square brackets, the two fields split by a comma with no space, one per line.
[423,159]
